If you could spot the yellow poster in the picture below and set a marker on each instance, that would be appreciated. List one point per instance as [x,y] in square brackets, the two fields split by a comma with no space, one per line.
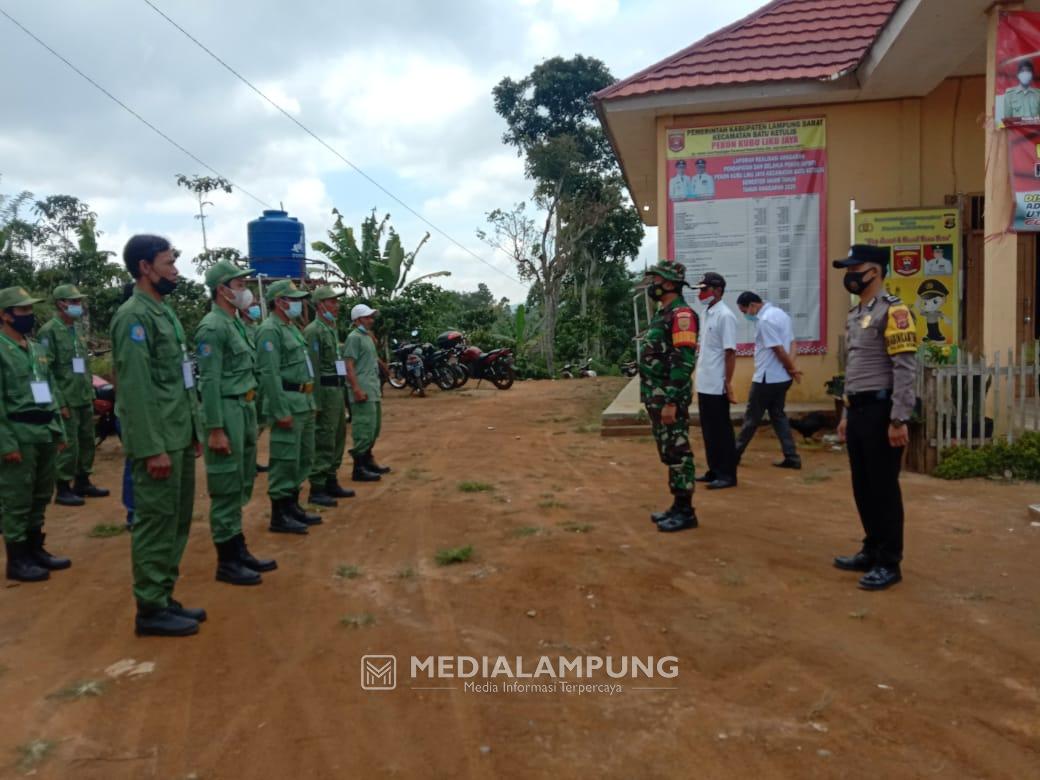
[727,140]
[924,266]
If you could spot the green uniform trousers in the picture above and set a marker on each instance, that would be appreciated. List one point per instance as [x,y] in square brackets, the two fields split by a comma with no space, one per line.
[229,478]
[162,519]
[366,420]
[330,434]
[673,446]
[25,489]
[292,455]
[78,458]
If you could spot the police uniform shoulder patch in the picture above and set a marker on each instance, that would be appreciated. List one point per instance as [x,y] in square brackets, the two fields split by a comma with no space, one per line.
[137,332]
[900,330]
[684,328]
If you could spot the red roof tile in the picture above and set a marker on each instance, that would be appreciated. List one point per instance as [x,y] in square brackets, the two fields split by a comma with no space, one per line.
[786,39]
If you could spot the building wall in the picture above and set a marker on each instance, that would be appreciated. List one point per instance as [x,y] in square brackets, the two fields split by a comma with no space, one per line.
[885,154]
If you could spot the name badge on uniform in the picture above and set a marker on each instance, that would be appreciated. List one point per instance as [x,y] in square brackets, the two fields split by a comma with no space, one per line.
[41,392]
[341,367]
[189,375]
[79,365]
[310,367]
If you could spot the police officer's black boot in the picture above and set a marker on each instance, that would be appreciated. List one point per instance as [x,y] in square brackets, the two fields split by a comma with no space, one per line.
[320,497]
[159,621]
[251,562]
[336,490]
[84,488]
[66,497]
[40,556]
[230,569]
[21,566]
[361,472]
[680,518]
[282,521]
[301,514]
[375,468]
[657,517]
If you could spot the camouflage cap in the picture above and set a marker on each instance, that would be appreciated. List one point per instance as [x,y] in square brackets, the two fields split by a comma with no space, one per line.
[284,288]
[325,293]
[223,272]
[16,296]
[67,292]
[668,270]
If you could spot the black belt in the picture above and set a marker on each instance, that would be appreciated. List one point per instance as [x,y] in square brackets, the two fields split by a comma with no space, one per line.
[868,397]
[293,387]
[32,417]
[332,381]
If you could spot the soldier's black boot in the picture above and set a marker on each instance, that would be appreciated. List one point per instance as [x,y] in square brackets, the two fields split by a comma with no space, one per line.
[21,566]
[251,562]
[157,621]
[230,569]
[680,518]
[198,614]
[361,473]
[336,490]
[657,517]
[84,488]
[320,497]
[40,556]
[282,521]
[301,514]
[375,468]
[64,496]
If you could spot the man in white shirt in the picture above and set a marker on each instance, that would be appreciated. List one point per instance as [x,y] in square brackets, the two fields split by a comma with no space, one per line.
[679,185]
[702,184]
[774,370]
[939,265]
[713,381]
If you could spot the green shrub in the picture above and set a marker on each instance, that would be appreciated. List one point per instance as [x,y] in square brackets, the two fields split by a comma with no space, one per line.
[1021,460]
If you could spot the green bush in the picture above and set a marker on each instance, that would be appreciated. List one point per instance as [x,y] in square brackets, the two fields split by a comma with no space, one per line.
[1021,460]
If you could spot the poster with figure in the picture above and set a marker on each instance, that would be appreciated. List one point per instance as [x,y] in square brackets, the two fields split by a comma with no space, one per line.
[749,202]
[924,267]
[1018,59]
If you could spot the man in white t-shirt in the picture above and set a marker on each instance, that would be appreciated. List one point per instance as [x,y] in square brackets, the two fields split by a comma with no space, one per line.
[774,370]
[713,382]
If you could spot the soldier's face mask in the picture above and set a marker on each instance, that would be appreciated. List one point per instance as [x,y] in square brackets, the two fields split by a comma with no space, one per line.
[22,323]
[1025,78]
[657,291]
[856,281]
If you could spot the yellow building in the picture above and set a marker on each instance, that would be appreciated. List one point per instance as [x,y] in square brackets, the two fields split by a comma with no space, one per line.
[905,90]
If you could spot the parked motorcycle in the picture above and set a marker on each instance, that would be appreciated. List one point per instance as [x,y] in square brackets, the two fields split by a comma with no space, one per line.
[453,342]
[495,366]
[584,370]
[408,367]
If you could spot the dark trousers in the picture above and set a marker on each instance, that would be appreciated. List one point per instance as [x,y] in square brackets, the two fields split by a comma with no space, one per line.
[875,481]
[720,444]
[768,398]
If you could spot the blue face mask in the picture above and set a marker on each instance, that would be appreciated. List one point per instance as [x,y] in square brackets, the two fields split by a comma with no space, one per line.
[751,317]
[254,312]
[74,310]
[295,310]
[328,315]
[362,328]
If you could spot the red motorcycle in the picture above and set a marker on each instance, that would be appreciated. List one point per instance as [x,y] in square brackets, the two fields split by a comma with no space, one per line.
[495,366]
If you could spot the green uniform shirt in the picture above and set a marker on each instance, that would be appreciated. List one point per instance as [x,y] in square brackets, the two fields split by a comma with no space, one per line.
[668,355]
[281,356]
[66,348]
[1021,102]
[323,347]
[157,411]
[226,363]
[19,369]
[362,350]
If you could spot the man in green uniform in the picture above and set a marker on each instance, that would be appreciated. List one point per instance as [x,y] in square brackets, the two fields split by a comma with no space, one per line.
[668,355]
[67,352]
[330,430]
[287,382]
[31,432]
[366,408]
[251,318]
[227,384]
[157,406]
[1023,101]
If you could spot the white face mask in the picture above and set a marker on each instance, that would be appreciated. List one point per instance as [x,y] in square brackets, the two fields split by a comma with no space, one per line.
[243,298]
[1025,78]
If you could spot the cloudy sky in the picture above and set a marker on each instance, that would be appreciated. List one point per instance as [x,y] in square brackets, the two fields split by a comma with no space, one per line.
[401,88]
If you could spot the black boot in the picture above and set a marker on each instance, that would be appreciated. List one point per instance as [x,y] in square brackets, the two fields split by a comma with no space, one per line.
[282,521]
[250,562]
[375,468]
[262,469]
[198,614]
[336,490]
[680,518]
[230,569]
[157,621]
[21,565]
[657,517]
[84,488]
[320,497]
[301,514]
[40,556]
[66,497]
[361,472]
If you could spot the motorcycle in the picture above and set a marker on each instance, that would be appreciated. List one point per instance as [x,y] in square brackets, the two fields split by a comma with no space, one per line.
[495,366]
[408,368]
[104,408]
[585,370]
[453,342]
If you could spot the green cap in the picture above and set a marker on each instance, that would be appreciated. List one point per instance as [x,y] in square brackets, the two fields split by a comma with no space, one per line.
[669,270]
[284,288]
[326,293]
[223,272]
[16,296]
[67,292]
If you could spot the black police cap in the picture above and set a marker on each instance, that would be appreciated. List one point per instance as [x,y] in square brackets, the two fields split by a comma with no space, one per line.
[864,253]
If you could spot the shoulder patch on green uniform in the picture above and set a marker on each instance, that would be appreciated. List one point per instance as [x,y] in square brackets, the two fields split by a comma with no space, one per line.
[268,345]
[137,332]
[205,350]
[45,342]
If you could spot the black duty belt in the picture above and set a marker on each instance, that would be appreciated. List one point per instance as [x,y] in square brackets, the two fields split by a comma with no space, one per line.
[332,381]
[32,417]
[293,387]
[853,400]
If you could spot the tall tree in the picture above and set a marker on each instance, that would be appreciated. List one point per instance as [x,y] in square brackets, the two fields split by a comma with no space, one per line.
[203,186]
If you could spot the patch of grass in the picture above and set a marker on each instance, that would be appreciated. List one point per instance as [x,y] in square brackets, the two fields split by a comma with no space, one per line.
[347,572]
[106,530]
[79,690]
[407,573]
[452,555]
[362,620]
[420,475]
[33,752]
[551,503]
[589,428]
[527,530]
[815,477]
[959,530]
[475,487]
[977,595]
[859,614]
[576,528]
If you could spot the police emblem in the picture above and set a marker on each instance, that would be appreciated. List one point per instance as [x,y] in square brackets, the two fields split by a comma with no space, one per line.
[901,317]
[137,332]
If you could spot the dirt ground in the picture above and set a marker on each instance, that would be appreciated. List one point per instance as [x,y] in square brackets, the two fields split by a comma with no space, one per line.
[785,668]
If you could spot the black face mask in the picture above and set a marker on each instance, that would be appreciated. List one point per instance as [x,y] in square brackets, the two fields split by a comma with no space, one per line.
[855,282]
[657,292]
[23,323]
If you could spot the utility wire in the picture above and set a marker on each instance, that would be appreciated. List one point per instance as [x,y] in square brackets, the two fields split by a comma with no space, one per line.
[129,110]
[324,143]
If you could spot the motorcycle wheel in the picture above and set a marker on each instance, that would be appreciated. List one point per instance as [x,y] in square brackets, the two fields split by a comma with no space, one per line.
[461,374]
[445,378]
[397,378]
[502,376]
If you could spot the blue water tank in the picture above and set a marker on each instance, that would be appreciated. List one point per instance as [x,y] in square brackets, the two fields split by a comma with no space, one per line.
[277,246]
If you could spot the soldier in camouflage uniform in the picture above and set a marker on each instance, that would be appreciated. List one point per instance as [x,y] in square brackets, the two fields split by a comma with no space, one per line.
[668,355]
